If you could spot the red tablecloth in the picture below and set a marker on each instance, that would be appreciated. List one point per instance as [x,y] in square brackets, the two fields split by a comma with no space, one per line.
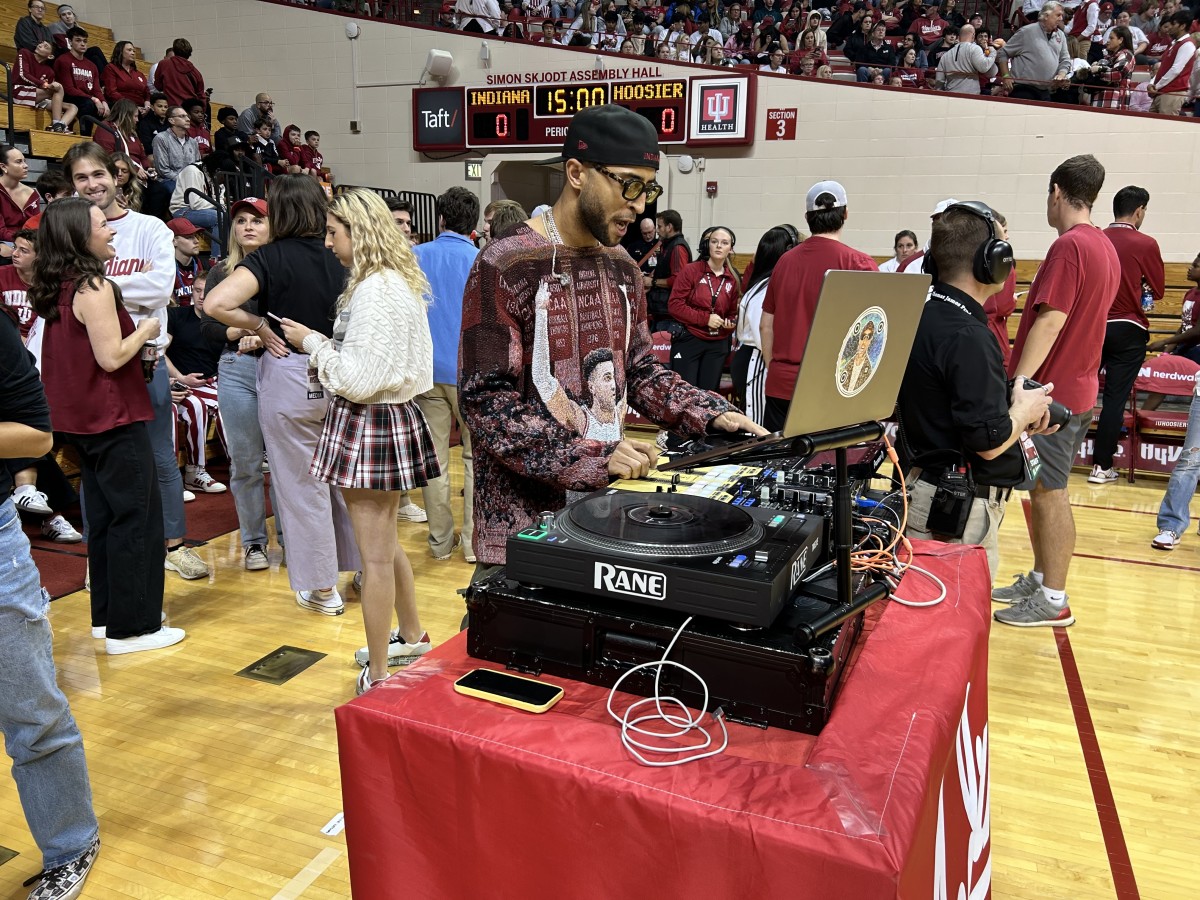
[451,797]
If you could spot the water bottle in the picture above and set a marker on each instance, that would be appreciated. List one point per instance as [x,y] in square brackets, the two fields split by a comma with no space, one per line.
[149,358]
[1147,297]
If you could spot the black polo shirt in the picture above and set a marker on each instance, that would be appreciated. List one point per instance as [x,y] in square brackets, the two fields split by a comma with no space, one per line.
[22,399]
[953,401]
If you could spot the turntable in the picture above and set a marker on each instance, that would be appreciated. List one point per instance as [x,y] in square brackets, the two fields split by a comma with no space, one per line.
[671,551]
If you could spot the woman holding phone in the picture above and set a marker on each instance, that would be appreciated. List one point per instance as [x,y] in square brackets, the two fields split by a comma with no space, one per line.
[295,277]
[92,373]
[375,443]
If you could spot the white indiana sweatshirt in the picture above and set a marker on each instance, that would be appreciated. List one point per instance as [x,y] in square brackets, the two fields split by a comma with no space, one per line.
[143,239]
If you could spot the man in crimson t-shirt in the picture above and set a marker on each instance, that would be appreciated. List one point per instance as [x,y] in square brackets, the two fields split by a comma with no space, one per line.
[793,291]
[1059,340]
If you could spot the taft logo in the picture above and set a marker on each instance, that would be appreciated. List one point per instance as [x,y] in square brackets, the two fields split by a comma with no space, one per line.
[631,582]
[718,108]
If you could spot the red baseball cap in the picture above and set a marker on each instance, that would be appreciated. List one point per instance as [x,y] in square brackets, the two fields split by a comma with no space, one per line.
[256,204]
[182,227]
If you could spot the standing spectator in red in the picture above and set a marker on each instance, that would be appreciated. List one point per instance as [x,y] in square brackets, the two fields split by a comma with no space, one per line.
[793,291]
[1003,303]
[289,151]
[704,299]
[1172,81]
[1128,329]
[80,80]
[1059,341]
[198,127]
[34,85]
[177,77]
[310,153]
[123,80]
[31,30]
[1084,24]
[929,25]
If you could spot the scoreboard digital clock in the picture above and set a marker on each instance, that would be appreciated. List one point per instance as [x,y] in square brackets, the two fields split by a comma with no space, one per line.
[532,117]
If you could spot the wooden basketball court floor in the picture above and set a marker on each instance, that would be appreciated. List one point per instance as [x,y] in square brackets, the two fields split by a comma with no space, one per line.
[209,785]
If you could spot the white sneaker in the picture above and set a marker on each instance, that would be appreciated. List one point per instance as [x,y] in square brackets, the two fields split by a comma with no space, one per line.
[400,652]
[256,558]
[100,632]
[29,499]
[1102,476]
[458,542]
[198,479]
[327,603]
[468,551]
[155,640]
[188,496]
[185,561]
[410,512]
[60,531]
[1166,540]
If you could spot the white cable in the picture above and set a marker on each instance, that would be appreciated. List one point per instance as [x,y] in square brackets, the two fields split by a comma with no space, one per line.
[909,567]
[687,721]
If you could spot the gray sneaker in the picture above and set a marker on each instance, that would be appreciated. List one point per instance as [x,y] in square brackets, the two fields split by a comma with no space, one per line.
[1035,611]
[256,558]
[1024,586]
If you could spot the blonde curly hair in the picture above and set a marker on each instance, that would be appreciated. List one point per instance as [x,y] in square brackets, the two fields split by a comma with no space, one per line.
[379,246]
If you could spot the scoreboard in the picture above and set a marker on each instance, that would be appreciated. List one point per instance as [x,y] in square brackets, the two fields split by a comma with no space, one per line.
[536,116]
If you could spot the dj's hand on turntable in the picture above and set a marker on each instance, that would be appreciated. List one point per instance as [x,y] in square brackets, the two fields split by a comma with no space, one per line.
[632,459]
[736,421]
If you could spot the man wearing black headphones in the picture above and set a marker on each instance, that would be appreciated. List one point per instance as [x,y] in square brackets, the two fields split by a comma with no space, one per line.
[960,435]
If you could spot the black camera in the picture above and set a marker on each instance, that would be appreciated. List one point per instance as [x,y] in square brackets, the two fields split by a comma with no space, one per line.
[1059,414]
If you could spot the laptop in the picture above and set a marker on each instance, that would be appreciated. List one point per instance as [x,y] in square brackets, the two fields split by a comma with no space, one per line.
[853,363]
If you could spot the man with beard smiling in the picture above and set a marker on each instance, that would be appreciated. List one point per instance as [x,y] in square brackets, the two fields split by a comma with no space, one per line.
[567,266]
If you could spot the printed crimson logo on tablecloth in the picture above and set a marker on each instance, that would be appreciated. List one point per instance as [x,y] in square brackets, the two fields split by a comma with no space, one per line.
[972,876]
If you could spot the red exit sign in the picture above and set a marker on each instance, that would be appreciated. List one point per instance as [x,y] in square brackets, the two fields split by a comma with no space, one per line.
[781,124]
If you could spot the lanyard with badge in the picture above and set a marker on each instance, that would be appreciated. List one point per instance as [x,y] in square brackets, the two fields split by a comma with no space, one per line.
[1030,460]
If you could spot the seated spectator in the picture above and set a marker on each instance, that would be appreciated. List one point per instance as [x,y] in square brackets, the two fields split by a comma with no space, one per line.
[947,42]
[263,108]
[34,85]
[628,48]
[814,28]
[1148,17]
[1140,41]
[808,47]
[227,118]
[563,9]
[66,21]
[177,77]
[740,47]
[153,123]
[859,40]
[717,57]
[18,201]
[1156,45]
[129,186]
[930,26]
[888,13]
[547,34]
[122,80]
[768,39]
[173,149]
[911,41]
[847,23]
[792,24]
[960,69]
[192,360]
[53,186]
[31,30]
[197,209]
[198,125]
[588,27]
[263,149]
[289,151]
[478,16]
[904,245]
[731,21]
[1185,341]
[825,72]
[908,74]
[310,154]
[877,58]
[764,9]
[949,12]
[807,67]
[80,80]
[119,133]
[1112,71]
[774,63]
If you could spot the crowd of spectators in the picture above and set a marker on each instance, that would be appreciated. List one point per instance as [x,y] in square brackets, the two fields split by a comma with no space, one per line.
[1092,53]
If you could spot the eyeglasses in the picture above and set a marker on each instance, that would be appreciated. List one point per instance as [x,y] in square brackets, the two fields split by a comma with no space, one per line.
[632,188]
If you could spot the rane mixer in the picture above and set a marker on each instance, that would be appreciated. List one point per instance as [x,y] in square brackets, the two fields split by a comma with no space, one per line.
[606,583]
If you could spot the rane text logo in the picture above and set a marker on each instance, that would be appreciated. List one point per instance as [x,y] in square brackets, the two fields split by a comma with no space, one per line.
[631,582]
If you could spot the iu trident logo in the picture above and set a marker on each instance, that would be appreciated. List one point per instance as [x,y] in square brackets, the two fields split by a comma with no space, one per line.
[718,106]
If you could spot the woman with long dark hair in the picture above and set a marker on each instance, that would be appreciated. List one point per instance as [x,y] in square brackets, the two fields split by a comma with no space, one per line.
[375,443]
[96,389]
[1111,72]
[237,390]
[747,369]
[295,277]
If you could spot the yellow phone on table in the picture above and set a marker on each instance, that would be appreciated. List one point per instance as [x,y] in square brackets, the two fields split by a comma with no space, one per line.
[517,691]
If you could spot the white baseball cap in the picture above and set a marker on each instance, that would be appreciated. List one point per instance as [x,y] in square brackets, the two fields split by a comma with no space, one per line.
[942,207]
[831,188]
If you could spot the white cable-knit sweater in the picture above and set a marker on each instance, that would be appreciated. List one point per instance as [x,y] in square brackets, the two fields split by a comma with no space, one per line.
[386,355]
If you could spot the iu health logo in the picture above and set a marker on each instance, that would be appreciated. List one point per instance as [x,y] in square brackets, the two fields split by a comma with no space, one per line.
[718,109]
[630,582]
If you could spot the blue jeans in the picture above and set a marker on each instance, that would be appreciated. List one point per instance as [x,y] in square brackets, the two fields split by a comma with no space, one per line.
[1174,514]
[237,398]
[162,439]
[864,75]
[40,733]
[204,218]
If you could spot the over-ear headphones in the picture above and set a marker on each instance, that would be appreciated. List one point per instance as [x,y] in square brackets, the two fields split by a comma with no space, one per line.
[703,248]
[993,259]
[793,233]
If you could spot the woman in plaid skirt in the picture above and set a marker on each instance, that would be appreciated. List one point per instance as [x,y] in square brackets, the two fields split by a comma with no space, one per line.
[375,442]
